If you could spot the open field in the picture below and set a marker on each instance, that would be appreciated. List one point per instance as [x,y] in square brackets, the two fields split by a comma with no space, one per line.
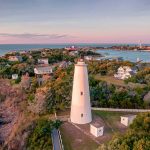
[112,119]
[113,80]
[75,139]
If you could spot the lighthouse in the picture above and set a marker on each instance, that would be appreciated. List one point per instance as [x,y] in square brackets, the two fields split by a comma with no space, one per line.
[80,105]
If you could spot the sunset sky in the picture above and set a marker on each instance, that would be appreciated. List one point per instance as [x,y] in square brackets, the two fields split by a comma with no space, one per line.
[74,21]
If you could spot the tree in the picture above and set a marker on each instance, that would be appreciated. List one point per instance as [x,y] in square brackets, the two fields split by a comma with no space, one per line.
[40,136]
[136,138]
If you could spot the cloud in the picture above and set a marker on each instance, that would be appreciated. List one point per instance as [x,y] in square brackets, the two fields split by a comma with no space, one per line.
[32,35]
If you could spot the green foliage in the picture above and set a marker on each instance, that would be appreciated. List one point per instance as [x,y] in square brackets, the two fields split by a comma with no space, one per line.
[88,53]
[40,136]
[142,76]
[106,67]
[108,95]
[136,138]
[141,123]
[31,97]
[58,56]
[18,80]
[57,124]
[59,94]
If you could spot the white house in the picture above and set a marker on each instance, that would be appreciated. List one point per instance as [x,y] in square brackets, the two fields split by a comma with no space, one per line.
[88,57]
[43,61]
[64,64]
[23,52]
[15,58]
[71,48]
[124,72]
[14,76]
[127,119]
[73,53]
[97,129]
[43,70]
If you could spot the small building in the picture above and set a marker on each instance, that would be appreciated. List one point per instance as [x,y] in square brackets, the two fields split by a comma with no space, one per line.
[127,119]
[97,129]
[15,58]
[73,53]
[23,52]
[71,48]
[64,64]
[88,57]
[43,61]
[43,70]
[14,76]
[125,72]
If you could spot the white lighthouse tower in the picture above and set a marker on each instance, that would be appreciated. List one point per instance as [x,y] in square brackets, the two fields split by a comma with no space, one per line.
[80,106]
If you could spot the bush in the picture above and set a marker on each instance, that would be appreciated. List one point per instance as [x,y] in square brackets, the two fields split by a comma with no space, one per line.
[40,137]
[18,80]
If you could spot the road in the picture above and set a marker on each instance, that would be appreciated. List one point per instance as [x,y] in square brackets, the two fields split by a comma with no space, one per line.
[56,140]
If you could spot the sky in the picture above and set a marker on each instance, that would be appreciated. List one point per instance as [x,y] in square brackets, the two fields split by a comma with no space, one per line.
[74,21]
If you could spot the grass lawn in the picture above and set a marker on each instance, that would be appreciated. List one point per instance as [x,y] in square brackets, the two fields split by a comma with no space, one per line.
[74,139]
[66,140]
[113,80]
[112,119]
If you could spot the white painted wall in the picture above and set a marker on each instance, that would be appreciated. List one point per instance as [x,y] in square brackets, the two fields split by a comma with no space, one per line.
[124,121]
[14,76]
[97,131]
[43,70]
[127,120]
[80,106]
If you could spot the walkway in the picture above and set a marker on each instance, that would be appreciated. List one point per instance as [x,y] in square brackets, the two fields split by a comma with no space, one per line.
[121,110]
[55,139]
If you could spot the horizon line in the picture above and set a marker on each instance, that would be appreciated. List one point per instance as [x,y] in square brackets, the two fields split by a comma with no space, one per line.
[67,43]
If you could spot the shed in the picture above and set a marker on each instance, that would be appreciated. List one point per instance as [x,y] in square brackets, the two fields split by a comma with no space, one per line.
[14,76]
[127,119]
[97,129]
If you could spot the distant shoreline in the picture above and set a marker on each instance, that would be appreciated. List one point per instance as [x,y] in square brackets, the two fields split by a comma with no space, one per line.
[5,48]
[125,50]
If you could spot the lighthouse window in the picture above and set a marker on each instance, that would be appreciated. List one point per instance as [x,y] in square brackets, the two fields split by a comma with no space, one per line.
[81,93]
[81,115]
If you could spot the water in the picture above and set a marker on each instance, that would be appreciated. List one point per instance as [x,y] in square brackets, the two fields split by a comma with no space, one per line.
[4,48]
[127,55]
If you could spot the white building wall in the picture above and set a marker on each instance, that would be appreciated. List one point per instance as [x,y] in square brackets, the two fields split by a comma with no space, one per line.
[97,131]
[124,121]
[100,131]
[127,120]
[14,76]
[43,70]
[93,130]
[80,106]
